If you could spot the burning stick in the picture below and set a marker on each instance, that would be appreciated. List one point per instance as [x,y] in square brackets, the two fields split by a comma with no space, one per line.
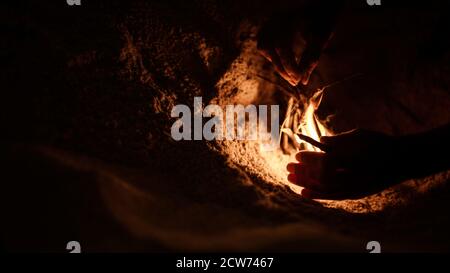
[315,143]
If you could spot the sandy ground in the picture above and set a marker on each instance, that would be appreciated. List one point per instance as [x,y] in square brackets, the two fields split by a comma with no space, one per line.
[89,157]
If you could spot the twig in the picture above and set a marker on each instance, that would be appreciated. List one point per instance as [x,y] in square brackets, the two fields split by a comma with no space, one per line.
[313,142]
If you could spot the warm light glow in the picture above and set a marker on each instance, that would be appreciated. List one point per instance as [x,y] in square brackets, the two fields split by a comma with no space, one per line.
[300,118]
[311,127]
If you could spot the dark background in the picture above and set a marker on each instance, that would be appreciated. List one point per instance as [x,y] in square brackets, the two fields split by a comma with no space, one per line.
[85,105]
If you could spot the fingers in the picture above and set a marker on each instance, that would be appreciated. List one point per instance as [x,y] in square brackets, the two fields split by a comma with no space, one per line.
[310,57]
[283,66]
[307,73]
[274,42]
[305,181]
[309,172]
[338,185]
[308,62]
[329,192]
[282,56]
[313,169]
[310,158]
[287,58]
[316,175]
[293,168]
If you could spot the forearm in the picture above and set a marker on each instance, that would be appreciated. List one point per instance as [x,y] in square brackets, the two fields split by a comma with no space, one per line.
[424,153]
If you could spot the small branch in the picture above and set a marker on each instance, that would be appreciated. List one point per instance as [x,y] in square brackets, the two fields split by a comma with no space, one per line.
[313,142]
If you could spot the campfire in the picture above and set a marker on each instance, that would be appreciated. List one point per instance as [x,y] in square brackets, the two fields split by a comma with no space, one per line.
[301,129]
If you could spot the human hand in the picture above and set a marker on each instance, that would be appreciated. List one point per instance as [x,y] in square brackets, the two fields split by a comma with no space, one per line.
[306,34]
[358,163]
